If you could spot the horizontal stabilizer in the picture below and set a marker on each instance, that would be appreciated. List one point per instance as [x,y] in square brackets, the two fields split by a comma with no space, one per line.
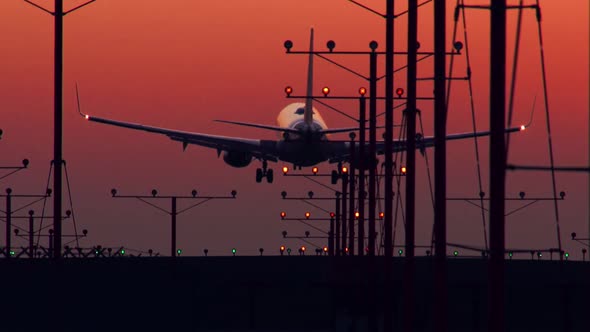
[255,125]
[339,130]
[343,130]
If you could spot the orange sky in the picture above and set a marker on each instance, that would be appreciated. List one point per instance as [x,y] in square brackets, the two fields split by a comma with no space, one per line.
[183,64]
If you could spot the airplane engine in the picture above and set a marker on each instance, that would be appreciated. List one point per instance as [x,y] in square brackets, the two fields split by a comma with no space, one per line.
[237,158]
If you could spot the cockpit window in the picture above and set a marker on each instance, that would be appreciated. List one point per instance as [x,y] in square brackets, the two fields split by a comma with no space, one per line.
[301,111]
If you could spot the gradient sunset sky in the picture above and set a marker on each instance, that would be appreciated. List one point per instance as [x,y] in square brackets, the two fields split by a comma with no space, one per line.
[183,63]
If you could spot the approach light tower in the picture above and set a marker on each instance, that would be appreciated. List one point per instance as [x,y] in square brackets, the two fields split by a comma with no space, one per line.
[173,212]
[58,15]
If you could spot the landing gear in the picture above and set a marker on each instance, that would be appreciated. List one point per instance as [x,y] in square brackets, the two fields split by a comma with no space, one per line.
[264,172]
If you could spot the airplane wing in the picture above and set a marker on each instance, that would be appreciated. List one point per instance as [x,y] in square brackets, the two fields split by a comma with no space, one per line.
[262,149]
[427,142]
[342,154]
[256,125]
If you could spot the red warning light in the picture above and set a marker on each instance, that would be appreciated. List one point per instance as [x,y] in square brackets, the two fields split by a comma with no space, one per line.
[288,91]
[357,215]
[404,169]
[307,215]
[87,117]
[325,249]
[302,248]
[282,248]
[285,169]
[381,215]
[399,92]
[314,170]
[326,91]
[362,91]
[283,214]
[346,250]
[344,169]
[332,214]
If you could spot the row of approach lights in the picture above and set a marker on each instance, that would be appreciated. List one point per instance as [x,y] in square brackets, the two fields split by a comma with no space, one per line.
[344,170]
[282,250]
[373,45]
[302,250]
[314,170]
[155,193]
[362,91]
[324,250]
[510,254]
[332,215]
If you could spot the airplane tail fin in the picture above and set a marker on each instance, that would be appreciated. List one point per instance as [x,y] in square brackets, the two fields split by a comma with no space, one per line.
[78,103]
[308,115]
[532,112]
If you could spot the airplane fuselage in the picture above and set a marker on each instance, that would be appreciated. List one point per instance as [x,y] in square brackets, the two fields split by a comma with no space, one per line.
[307,148]
[292,117]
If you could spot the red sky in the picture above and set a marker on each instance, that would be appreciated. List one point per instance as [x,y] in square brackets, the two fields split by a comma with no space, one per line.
[183,64]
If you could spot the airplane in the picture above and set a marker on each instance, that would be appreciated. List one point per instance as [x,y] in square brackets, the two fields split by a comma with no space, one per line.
[304,137]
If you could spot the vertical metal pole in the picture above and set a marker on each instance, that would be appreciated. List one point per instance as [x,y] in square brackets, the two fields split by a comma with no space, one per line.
[173,232]
[372,273]
[8,221]
[344,209]
[361,190]
[372,148]
[337,239]
[31,233]
[497,164]
[388,188]
[58,130]
[409,268]
[352,189]
[388,212]
[440,171]
[331,238]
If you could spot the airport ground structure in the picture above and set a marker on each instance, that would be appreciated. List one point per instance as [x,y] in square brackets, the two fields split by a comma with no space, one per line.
[277,293]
